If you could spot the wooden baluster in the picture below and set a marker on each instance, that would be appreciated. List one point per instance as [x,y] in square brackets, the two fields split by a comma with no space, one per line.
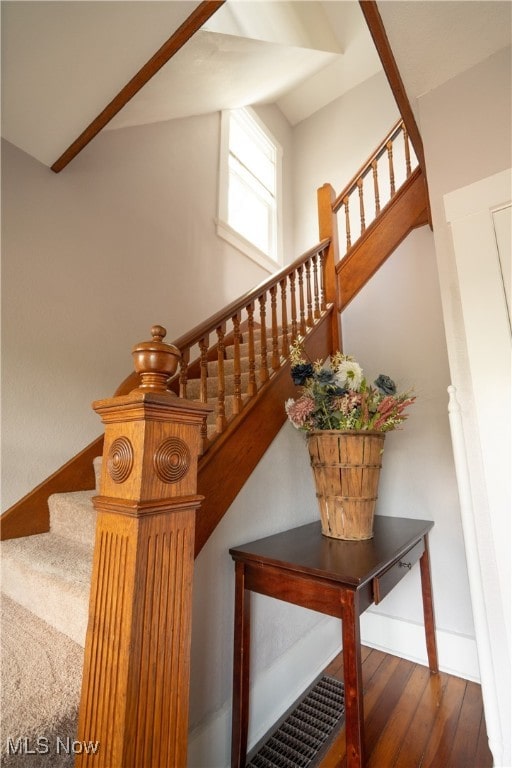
[203,388]
[136,675]
[347,221]
[376,187]
[294,306]
[252,387]
[323,257]
[263,339]
[316,292]
[276,360]
[237,372]
[285,347]
[203,348]
[389,147]
[220,420]
[302,305]
[361,203]
[184,361]
[308,294]
[407,151]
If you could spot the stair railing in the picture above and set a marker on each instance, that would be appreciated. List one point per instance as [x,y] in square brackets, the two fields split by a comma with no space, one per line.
[374,185]
[259,326]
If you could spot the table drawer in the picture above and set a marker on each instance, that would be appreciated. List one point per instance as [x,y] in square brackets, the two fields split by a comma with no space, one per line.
[383,584]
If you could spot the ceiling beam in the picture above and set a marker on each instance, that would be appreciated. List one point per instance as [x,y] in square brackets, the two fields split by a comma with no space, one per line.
[380,39]
[176,41]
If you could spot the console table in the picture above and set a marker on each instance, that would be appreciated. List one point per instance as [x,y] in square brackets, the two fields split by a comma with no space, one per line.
[335,577]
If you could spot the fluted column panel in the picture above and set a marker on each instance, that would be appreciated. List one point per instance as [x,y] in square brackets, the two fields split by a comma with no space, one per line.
[164,663]
[105,669]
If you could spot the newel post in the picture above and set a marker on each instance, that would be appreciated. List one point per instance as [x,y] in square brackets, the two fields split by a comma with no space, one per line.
[135,686]
[328,228]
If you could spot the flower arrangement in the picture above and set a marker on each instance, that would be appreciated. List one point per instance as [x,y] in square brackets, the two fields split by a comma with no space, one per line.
[336,395]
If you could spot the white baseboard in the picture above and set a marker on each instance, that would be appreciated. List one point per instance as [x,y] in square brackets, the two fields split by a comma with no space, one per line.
[457,653]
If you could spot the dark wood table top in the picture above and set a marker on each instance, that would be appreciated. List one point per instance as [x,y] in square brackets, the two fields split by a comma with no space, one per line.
[352,563]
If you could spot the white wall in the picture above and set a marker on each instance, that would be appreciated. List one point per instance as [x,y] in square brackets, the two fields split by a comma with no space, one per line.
[466,127]
[91,259]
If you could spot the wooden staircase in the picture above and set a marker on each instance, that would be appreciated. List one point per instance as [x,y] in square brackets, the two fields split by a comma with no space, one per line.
[249,341]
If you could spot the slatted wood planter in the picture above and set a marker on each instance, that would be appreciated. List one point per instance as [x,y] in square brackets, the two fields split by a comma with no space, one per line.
[346,467]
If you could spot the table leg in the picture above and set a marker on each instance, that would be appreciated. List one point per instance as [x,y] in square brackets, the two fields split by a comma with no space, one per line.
[428,608]
[240,715]
[352,671]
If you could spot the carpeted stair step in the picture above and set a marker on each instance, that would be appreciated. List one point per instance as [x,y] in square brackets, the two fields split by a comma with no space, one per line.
[50,576]
[72,516]
[229,366]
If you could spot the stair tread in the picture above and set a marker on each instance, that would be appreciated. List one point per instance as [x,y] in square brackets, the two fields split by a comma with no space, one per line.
[75,498]
[73,516]
[48,553]
[50,576]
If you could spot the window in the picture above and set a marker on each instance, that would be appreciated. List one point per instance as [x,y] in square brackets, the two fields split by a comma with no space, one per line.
[250,176]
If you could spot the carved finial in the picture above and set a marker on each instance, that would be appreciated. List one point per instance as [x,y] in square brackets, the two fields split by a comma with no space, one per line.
[158,332]
[155,361]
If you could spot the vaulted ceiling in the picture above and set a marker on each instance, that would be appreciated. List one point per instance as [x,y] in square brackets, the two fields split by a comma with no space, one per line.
[64,61]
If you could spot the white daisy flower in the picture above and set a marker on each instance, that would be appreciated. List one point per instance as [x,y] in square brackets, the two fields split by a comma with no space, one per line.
[349,375]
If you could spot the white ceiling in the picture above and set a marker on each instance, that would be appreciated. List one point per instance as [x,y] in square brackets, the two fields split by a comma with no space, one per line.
[262,52]
[62,62]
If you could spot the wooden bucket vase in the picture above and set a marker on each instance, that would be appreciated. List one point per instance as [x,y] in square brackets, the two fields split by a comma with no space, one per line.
[346,467]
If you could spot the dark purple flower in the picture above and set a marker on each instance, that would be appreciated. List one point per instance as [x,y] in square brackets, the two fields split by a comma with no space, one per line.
[301,372]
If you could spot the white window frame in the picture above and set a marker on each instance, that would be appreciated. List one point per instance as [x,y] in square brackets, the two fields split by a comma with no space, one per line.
[274,259]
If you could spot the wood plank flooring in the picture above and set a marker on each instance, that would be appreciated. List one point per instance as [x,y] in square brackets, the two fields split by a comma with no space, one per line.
[414,719]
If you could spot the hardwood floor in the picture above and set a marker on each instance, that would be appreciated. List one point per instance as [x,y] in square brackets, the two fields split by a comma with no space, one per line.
[413,718]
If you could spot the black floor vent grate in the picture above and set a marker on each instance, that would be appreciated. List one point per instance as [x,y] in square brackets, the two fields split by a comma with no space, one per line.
[298,739]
